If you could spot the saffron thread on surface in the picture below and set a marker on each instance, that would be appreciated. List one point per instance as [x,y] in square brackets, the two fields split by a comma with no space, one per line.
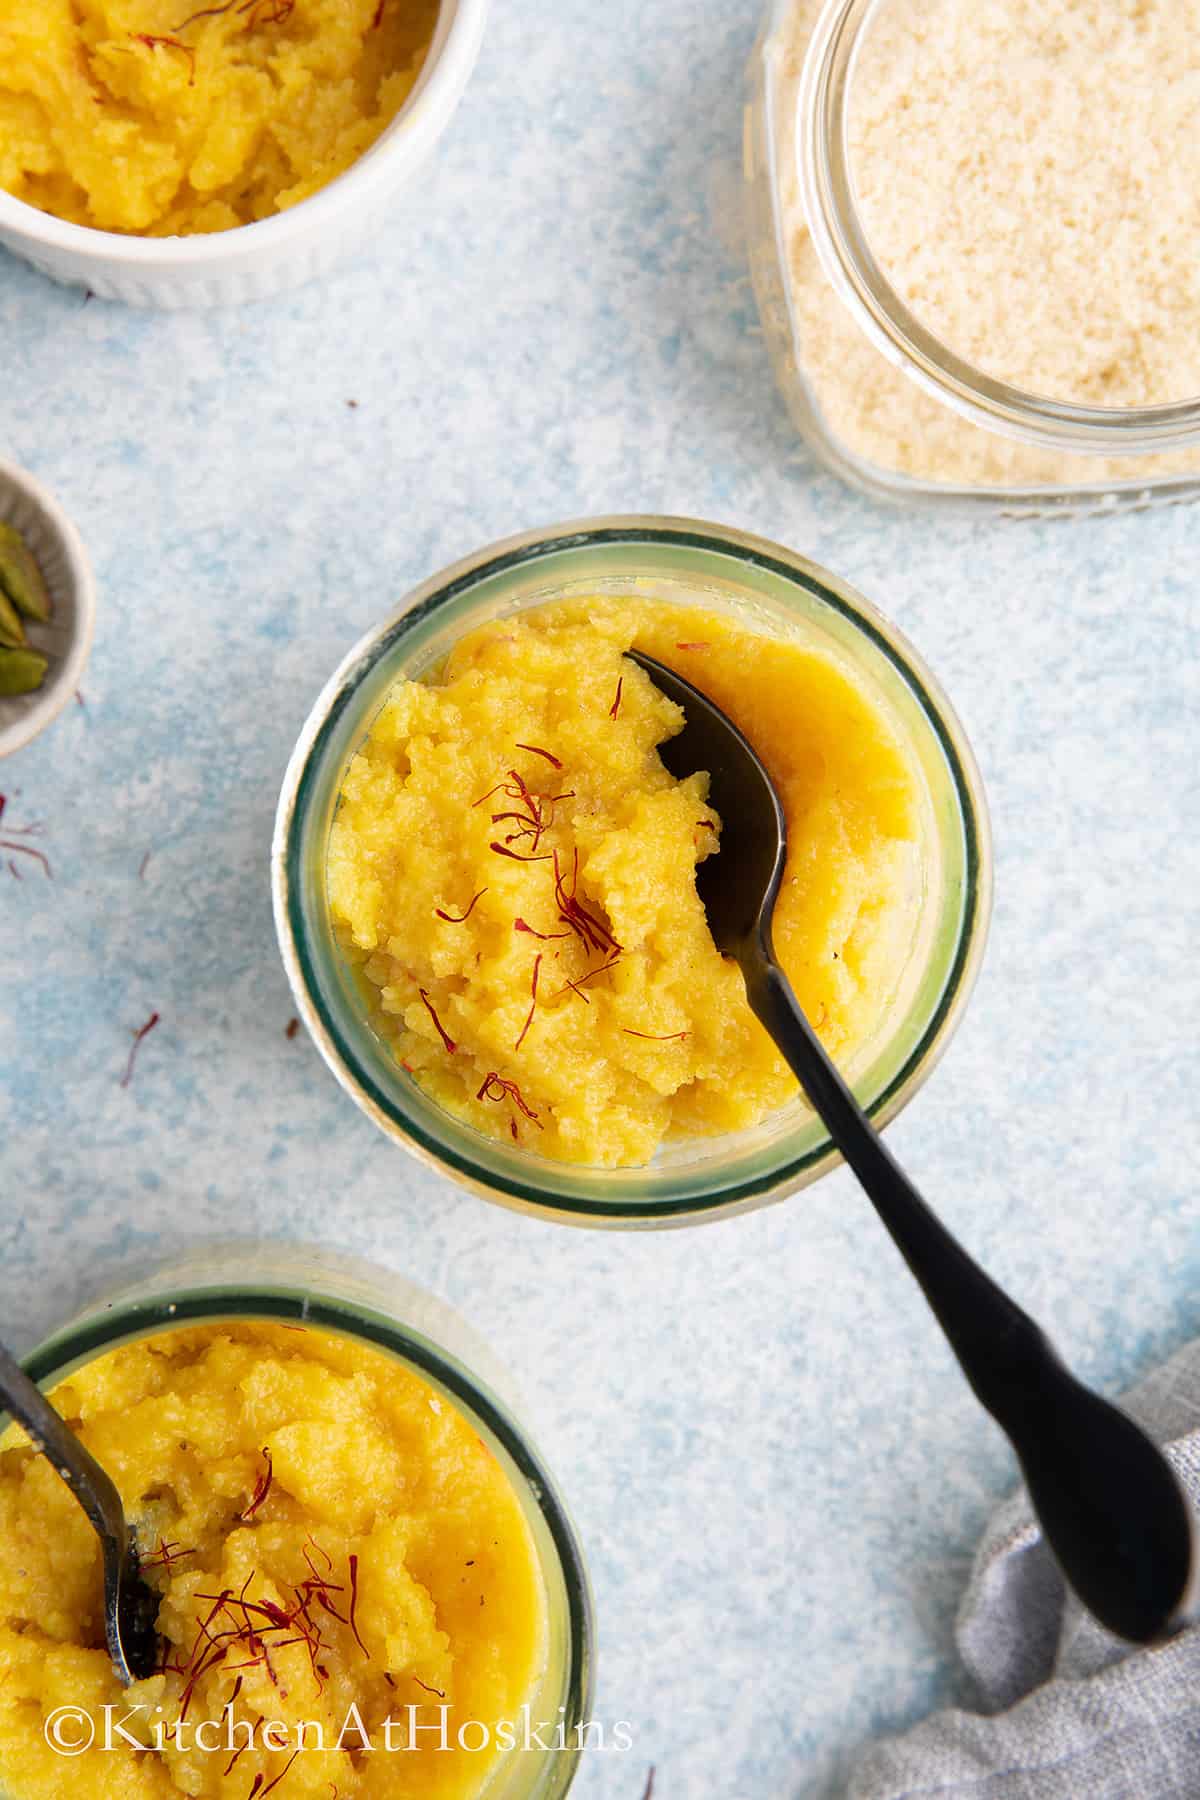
[205,1653]
[139,1037]
[240,1751]
[573,913]
[462,919]
[501,850]
[291,1028]
[648,1791]
[615,708]
[537,963]
[323,1554]
[578,984]
[206,12]
[547,937]
[261,1489]
[280,12]
[701,645]
[166,1556]
[274,1784]
[536,750]
[498,789]
[532,821]
[250,1622]
[429,1690]
[26,850]
[321,1593]
[517,788]
[168,43]
[494,1081]
[449,1042]
[12,843]
[537,814]
[354,1605]
[651,1037]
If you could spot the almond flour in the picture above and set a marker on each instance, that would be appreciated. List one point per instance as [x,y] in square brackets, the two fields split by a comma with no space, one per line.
[1029,179]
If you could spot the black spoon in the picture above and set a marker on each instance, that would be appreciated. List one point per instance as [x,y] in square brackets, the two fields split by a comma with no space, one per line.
[1110,1506]
[130,1604]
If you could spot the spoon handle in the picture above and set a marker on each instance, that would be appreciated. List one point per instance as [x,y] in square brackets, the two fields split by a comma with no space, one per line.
[52,1436]
[1110,1505]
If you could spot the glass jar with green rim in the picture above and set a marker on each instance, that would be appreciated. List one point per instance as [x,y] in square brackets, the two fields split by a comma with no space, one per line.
[878,395]
[664,559]
[324,1290]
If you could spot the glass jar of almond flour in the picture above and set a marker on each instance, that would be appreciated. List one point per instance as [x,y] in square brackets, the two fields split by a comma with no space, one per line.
[973,231]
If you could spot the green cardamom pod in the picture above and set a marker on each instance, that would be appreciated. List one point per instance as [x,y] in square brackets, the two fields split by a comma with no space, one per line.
[21,672]
[12,632]
[20,576]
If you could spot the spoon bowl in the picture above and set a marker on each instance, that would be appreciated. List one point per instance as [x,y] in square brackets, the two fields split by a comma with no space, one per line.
[753,827]
[130,1604]
[1110,1505]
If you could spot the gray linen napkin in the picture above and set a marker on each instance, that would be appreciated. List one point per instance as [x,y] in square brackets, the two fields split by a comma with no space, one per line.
[1069,1712]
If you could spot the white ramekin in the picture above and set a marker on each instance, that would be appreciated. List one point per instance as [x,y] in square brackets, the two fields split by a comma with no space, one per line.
[67,638]
[256,261]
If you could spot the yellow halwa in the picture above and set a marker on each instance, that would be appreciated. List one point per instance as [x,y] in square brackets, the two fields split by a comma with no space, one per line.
[168,117]
[378,1489]
[631,1029]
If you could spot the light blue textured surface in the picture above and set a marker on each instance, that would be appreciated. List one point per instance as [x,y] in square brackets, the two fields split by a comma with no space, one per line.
[776,1469]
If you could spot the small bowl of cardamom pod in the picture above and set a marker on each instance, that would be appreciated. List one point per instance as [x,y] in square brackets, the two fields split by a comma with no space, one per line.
[47,608]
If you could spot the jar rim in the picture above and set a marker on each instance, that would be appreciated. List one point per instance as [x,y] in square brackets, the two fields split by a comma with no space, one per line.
[843,249]
[564,1191]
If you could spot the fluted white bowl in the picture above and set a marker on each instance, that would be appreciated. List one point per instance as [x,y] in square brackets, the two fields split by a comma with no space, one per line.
[254,262]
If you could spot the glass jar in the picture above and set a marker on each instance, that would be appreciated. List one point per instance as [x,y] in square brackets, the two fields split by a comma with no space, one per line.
[323,1289]
[851,358]
[665,559]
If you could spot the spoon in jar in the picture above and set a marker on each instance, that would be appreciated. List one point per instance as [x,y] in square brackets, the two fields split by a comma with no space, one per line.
[130,1604]
[1110,1506]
